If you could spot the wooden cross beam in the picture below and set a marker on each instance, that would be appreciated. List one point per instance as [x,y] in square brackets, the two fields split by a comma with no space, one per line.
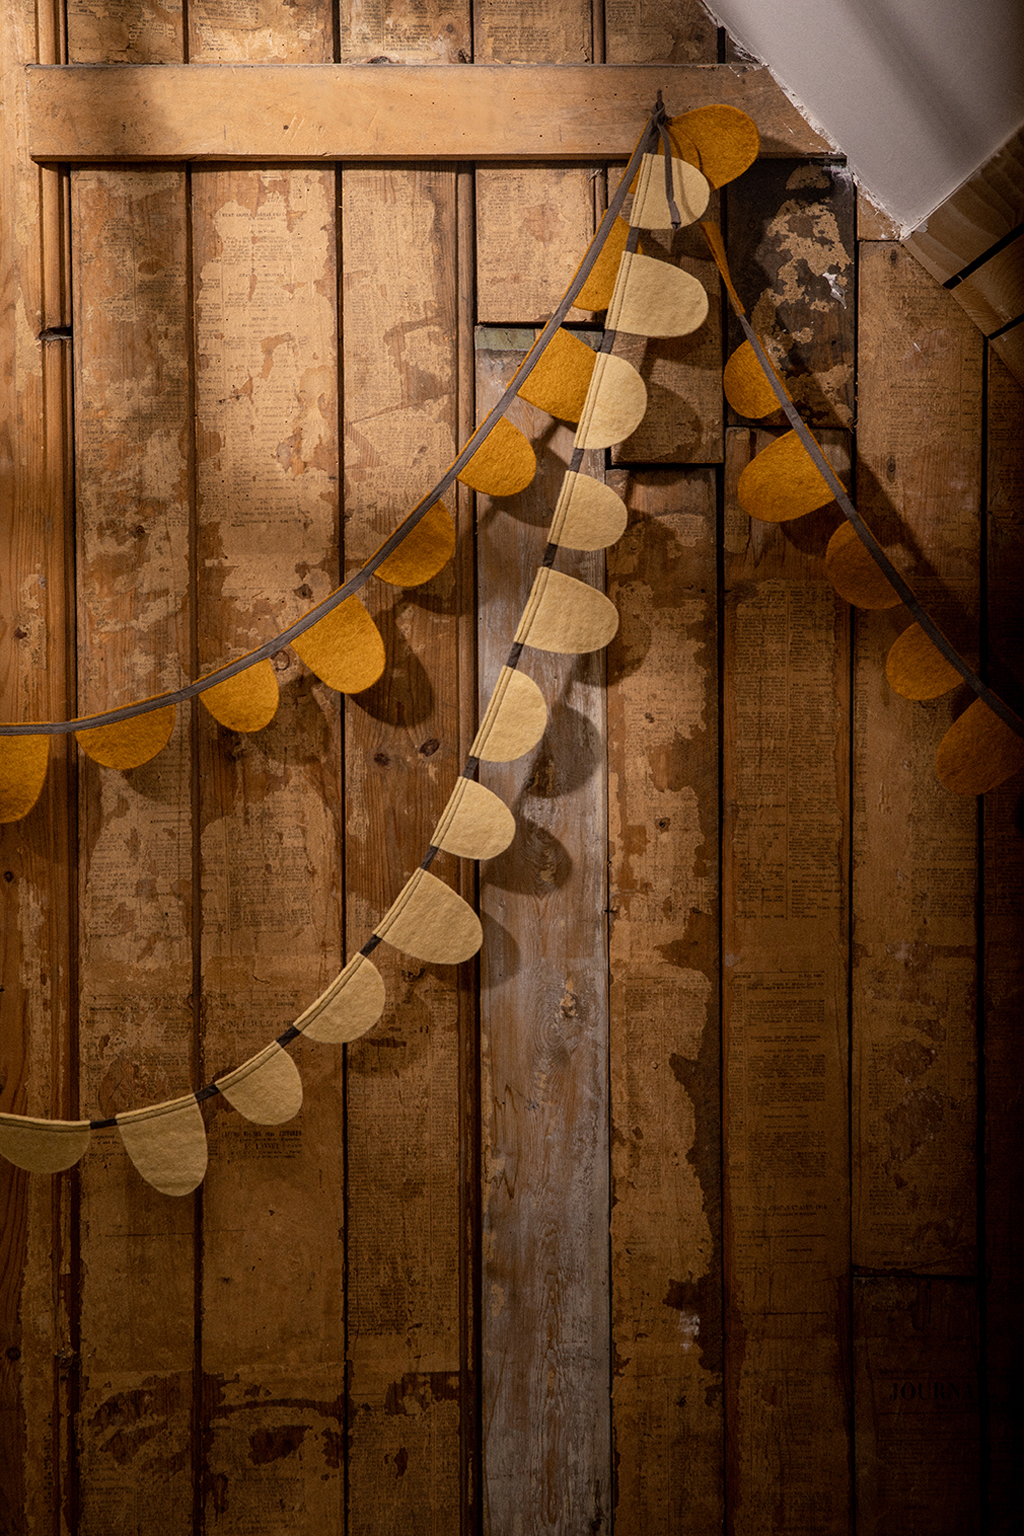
[268,112]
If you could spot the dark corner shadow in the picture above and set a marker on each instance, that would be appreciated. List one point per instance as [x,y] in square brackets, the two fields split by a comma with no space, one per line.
[503,960]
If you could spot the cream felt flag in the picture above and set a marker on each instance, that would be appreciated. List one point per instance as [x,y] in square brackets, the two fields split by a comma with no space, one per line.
[42,1146]
[266,1089]
[432,922]
[615,403]
[588,514]
[566,615]
[650,208]
[475,824]
[654,298]
[167,1144]
[515,719]
[350,1006]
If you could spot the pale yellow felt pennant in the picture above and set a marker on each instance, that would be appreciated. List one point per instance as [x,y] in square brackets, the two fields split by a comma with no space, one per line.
[246,702]
[654,298]
[350,1006]
[431,922]
[746,388]
[560,381]
[566,615]
[515,719]
[167,1144]
[42,1146]
[129,743]
[266,1089]
[23,761]
[424,551]
[650,208]
[588,514]
[683,148]
[475,824]
[853,572]
[503,465]
[344,648]
[615,403]
[782,482]
[917,669]
[978,752]
[597,291]
[726,139]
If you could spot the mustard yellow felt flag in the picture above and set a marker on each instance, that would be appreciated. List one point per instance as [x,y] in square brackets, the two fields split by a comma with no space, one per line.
[245,702]
[344,648]
[560,381]
[23,761]
[978,752]
[424,551]
[782,482]
[854,574]
[917,669]
[503,465]
[128,743]
[599,286]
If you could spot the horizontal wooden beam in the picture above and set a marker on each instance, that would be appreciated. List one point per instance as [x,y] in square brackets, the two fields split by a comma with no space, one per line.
[270,112]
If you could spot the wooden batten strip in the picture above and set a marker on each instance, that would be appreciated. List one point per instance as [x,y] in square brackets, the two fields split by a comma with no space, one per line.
[993,296]
[363,112]
[976,216]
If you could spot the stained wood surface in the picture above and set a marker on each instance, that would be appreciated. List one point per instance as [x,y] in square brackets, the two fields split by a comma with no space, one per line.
[919,481]
[666,1260]
[784,1046]
[362,112]
[979,213]
[408,1402]
[544,1284]
[477,1285]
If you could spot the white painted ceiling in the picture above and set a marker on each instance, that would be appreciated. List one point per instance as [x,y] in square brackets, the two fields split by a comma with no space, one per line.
[916,93]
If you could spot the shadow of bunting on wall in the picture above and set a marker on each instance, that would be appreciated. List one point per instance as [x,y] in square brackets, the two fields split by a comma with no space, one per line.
[604,395]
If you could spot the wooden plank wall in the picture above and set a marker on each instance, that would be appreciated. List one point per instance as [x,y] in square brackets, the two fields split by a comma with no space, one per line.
[693,1206]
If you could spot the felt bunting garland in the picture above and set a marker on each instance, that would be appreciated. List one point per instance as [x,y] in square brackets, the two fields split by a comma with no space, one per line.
[791,477]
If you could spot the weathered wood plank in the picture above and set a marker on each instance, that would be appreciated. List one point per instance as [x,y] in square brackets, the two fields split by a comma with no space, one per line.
[505,32]
[664,1041]
[352,111]
[659,32]
[125,32]
[791,251]
[916,1390]
[270,812]
[977,215]
[407,1401]
[260,32]
[533,225]
[994,294]
[37,1021]
[135,899]
[914,880]
[410,32]
[1004,974]
[784,1023]
[544,1323]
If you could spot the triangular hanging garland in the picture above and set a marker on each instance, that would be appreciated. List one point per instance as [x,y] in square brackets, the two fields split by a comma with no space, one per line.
[339,641]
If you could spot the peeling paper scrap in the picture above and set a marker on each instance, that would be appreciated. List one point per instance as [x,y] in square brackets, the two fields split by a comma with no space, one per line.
[246,702]
[615,403]
[23,761]
[566,615]
[650,208]
[475,824]
[654,298]
[978,752]
[588,514]
[42,1146]
[344,648]
[350,1006]
[266,1089]
[597,291]
[917,669]
[129,743]
[855,575]
[782,482]
[431,922]
[515,720]
[560,381]
[503,465]
[727,140]
[746,388]
[167,1144]
[424,551]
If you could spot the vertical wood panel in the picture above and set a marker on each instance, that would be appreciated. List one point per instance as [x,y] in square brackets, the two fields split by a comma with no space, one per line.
[664,1045]
[407,1402]
[553,32]
[784,1024]
[411,32]
[659,32]
[269,809]
[533,225]
[135,959]
[919,469]
[1003,982]
[37,1333]
[544,1304]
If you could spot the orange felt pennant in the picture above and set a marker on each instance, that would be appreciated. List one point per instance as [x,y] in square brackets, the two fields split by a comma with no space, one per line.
[128,743]
[425,550]
[23,761]
[782,482]
[503,465]
[344,648]
[917,669]
[853,572]
[560,381]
